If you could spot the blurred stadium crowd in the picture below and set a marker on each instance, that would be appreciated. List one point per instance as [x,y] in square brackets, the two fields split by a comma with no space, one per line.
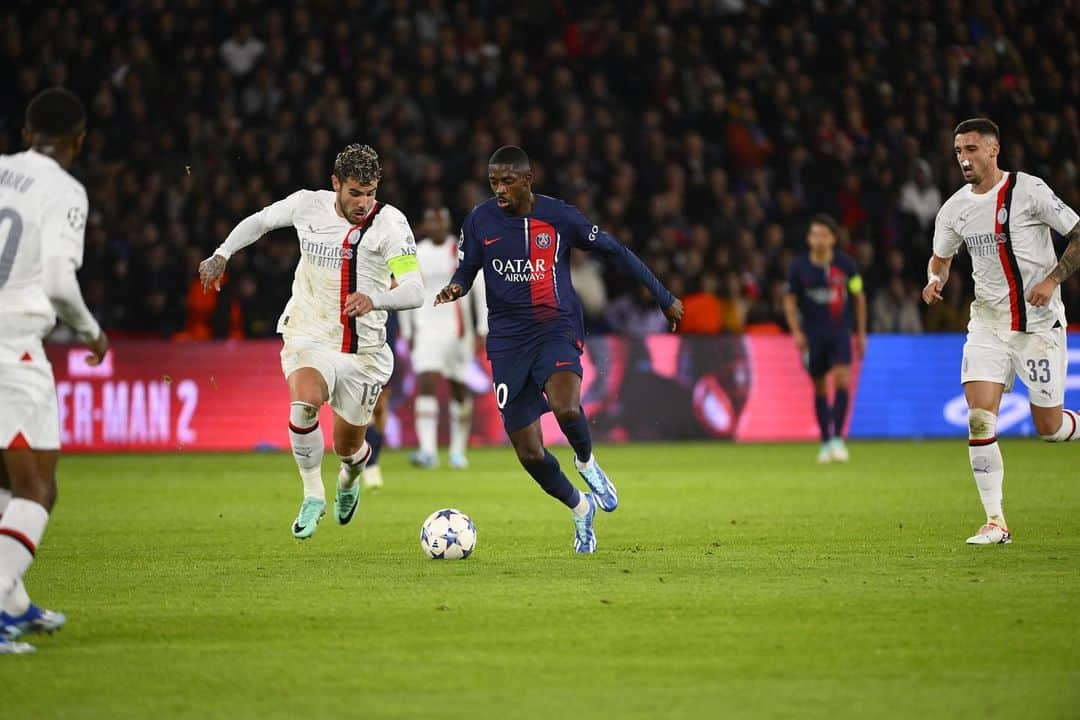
[702,134]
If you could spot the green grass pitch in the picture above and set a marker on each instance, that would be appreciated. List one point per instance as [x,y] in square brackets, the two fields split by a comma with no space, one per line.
[733,581]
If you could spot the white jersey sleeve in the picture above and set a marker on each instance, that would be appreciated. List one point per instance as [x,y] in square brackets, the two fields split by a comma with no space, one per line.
[1049,209]
[63,239]
[64,226]
[273,216]
[397,247]
[947,241]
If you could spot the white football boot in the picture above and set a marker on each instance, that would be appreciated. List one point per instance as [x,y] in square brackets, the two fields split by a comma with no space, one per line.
[991,534]
[838,450]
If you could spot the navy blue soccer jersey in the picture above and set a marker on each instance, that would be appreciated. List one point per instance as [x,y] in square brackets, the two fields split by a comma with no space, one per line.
[526,267]
[824,293]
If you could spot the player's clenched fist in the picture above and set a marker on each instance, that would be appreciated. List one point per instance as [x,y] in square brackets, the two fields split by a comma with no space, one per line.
[210,271]
[358,304]
[932,292]
[674,313]
[1040,294]
[450,293]
[98,347]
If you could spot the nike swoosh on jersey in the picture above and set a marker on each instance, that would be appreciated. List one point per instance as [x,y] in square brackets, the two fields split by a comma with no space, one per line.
[489,241]
[563,363]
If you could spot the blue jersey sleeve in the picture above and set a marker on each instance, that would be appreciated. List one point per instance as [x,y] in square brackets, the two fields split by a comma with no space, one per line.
[589,237]
[851,269]
[470,256]
[793,285]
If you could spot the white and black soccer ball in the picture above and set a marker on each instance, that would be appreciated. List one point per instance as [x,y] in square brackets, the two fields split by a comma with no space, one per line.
[448,534]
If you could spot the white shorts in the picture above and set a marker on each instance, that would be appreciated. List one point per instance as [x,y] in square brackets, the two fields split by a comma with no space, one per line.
[354,381]
[27,396]
[448,355]
[1041,360]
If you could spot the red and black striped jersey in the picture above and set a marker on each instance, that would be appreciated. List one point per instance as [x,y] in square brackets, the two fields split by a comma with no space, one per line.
[1007,233]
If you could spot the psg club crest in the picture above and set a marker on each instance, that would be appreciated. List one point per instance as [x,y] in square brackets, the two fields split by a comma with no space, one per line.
[543,240]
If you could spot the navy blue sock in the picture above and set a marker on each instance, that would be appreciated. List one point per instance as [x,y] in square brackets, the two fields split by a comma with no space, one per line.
[579,436]
[551,478]
[824,418]
[374,439]
[839,411]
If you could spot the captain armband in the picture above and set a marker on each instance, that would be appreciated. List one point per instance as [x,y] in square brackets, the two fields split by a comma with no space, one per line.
[854,284]
[403,264]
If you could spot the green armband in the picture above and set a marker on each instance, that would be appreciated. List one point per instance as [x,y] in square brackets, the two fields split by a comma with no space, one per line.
[854,285]
[402,264]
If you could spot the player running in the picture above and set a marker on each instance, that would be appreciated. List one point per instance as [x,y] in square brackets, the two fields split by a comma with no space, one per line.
[1017,324]
[822,287]
[521,240]
[444,341]
[42,218]
[371,475]
[334,325]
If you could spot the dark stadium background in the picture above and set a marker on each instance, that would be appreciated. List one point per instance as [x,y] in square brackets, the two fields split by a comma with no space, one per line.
[702,134]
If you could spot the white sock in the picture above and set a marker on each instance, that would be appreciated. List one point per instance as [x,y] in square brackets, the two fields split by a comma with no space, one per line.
[17,601]
[427,423]
[582,508]
[986,463]
[460,425]
[352,466]
[306,439]
[582,465]
[1069,430]
[21,530]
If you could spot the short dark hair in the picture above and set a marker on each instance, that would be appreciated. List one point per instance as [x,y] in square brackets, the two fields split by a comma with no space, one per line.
[55,113]
[983,126]
[828,221]
[510,155]
[358,162]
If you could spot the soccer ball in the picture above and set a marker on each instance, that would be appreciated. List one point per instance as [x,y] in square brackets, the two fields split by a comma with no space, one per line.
[448,534]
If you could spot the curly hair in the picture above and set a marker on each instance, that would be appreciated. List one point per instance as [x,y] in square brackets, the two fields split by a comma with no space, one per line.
[359,163]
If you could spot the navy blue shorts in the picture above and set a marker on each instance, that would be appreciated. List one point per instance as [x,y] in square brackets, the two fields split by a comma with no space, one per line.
[519,379]
[827,350]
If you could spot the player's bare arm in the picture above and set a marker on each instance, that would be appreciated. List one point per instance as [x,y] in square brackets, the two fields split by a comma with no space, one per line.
[210,272]
[937,274]
[791,312]
[453,291]
[1068,264]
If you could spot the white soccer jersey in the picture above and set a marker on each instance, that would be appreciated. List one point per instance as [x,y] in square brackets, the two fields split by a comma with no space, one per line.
[457,319]
[1007,234]
[336,260]
[42,216]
